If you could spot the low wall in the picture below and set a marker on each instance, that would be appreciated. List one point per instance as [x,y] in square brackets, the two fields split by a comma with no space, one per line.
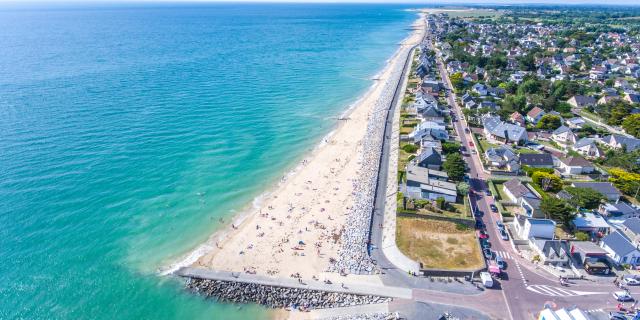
[451,273]
[467,222]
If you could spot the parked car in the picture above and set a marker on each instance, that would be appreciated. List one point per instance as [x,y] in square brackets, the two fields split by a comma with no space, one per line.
[466,130]
[483,235]
[463,148]
[488,254]
[479,224]
[493,207]
[488,192]
[471,143]
[500,225]
[478,213]
[617,316]
[504,235]
[485,244]
[501,263]
[487,280]
[631,281]
[622,296]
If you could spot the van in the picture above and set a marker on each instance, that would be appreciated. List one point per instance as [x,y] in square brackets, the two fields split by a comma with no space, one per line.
[487,281]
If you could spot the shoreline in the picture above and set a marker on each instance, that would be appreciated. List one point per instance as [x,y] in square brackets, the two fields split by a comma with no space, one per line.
[255,207]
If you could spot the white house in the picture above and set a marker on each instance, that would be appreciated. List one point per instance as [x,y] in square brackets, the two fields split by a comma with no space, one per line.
[575,165]
[564,135]
[535,114]
[537,228]
[620,249]
[587,147]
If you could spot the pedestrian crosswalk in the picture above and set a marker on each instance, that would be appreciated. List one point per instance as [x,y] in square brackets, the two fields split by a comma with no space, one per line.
[595,310]
[551,291]
[558,292]
[504,254]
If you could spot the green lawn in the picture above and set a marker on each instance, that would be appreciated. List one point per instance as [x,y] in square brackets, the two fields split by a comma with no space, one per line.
[484,145]
[527,150]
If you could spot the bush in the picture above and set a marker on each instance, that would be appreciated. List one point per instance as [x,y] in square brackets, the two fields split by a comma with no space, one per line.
[410,148]
[582,236]
[530,171]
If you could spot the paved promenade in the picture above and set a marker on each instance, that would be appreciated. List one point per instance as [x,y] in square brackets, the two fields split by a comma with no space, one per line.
[351,288]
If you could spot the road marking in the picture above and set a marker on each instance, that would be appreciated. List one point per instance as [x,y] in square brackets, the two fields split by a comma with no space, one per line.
[504,254]
[521,274]
[595,310]
[558,292]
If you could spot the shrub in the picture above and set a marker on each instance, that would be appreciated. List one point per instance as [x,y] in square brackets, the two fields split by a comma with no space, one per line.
[410,148]
[582,236]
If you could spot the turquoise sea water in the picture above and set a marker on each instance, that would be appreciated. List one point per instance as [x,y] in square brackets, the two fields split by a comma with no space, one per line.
[127,131]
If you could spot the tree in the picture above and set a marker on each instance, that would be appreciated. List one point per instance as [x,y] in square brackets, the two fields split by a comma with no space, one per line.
[557,209]
[440,202]
[584,197]
[632,125]
[410,148]
[454,166]
[549,122]
[450,147]
[547,181]
[463,188]
[457,81]
[627,182]
[582,236]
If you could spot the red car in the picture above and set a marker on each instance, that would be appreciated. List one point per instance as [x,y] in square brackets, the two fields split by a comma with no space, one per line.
[471,143]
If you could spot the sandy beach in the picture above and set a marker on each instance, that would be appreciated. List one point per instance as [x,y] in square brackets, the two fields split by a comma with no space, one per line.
[300,227]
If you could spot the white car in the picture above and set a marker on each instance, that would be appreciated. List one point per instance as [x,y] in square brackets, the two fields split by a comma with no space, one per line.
[622,296]
[631,281]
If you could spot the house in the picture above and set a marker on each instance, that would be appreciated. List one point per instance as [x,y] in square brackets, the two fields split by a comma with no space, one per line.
[575,123]
[489,105]
[620,209]
[631,229]
[564,135]
[515,190]
[575,165]
[551,252]
[534,115]
[606,188]
[531,207]
[536,160]
[618,141]
[588,148]
[537,228]
[608,98]
[429,158]
[429,128]
[632,98]
[587,250]
[518,119]
[480,89]
[433,85]
[432,113]
[563,314]
[497,130]
[580,102]
[591,223]
[620,249]
[421,186]
[503,157]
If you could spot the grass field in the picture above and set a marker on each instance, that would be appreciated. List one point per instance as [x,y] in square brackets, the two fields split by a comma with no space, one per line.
[439,244]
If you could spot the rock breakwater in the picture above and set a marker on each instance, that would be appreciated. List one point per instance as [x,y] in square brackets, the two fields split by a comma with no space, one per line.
[277,297]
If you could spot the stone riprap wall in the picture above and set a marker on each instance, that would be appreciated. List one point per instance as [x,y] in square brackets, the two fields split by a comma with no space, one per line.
[277,297]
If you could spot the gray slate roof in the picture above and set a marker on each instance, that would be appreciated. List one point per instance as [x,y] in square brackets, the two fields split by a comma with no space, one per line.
[533,159]
[618,243]
[633,224]
[602,187]
[499,128]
